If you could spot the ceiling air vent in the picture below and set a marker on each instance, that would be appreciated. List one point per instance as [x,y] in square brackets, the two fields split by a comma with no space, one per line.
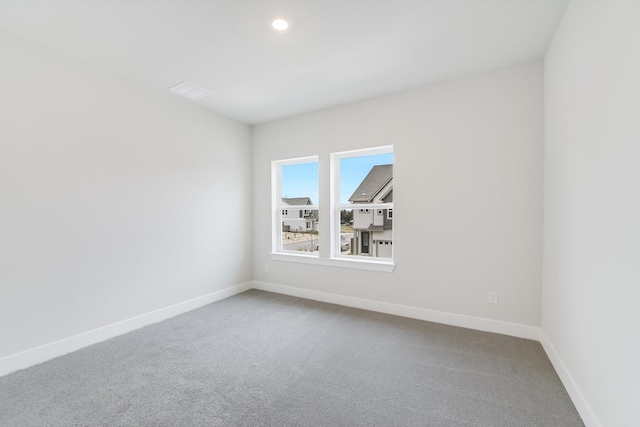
[189,90]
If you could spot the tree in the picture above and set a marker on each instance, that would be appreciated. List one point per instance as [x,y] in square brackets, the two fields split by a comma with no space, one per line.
[346,216]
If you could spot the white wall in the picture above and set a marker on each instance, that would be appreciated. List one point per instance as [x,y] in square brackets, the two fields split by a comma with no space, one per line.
[467,196]
[115,199]
[591,314]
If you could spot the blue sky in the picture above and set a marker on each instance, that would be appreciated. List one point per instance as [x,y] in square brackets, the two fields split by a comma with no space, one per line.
[302,180]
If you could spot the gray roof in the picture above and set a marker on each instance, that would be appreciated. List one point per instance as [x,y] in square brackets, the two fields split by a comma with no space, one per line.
[297,201]
[371,185]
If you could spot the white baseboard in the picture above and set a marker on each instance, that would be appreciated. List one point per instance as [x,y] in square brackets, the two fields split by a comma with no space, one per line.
[584,409]
[49,351]
[478,323]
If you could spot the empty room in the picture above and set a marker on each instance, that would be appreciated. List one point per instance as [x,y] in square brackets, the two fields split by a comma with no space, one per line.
[198,222]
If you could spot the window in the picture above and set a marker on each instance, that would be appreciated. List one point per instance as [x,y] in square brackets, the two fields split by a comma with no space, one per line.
[363,179]
[358,231]
[295,196]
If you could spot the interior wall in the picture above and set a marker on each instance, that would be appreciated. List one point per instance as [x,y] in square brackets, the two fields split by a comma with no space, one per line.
[592,206]
[467,196]
[116,200]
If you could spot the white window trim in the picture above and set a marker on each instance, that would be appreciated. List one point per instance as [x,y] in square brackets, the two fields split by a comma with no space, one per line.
[342,262]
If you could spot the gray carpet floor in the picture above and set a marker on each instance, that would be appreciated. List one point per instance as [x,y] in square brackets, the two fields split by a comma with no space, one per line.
[262,359]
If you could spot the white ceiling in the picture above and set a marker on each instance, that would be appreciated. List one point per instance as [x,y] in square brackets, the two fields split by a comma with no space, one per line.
[334,52]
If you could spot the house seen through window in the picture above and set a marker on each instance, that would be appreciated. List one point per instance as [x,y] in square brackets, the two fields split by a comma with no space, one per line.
[365,191]
[298,198]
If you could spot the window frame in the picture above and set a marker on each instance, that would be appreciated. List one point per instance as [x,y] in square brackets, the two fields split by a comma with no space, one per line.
[366,208]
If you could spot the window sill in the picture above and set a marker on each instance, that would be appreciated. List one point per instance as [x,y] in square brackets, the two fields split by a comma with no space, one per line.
[357,263]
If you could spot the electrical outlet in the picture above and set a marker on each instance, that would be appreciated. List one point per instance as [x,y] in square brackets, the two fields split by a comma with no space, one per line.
[266,267]
[493,297]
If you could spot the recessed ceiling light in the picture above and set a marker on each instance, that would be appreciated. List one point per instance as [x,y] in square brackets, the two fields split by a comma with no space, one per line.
[279,23]
[189,90]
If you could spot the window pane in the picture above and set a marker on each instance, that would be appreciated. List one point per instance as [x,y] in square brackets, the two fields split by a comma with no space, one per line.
[299,221]
[366,232]
[299,240]
[300,224]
